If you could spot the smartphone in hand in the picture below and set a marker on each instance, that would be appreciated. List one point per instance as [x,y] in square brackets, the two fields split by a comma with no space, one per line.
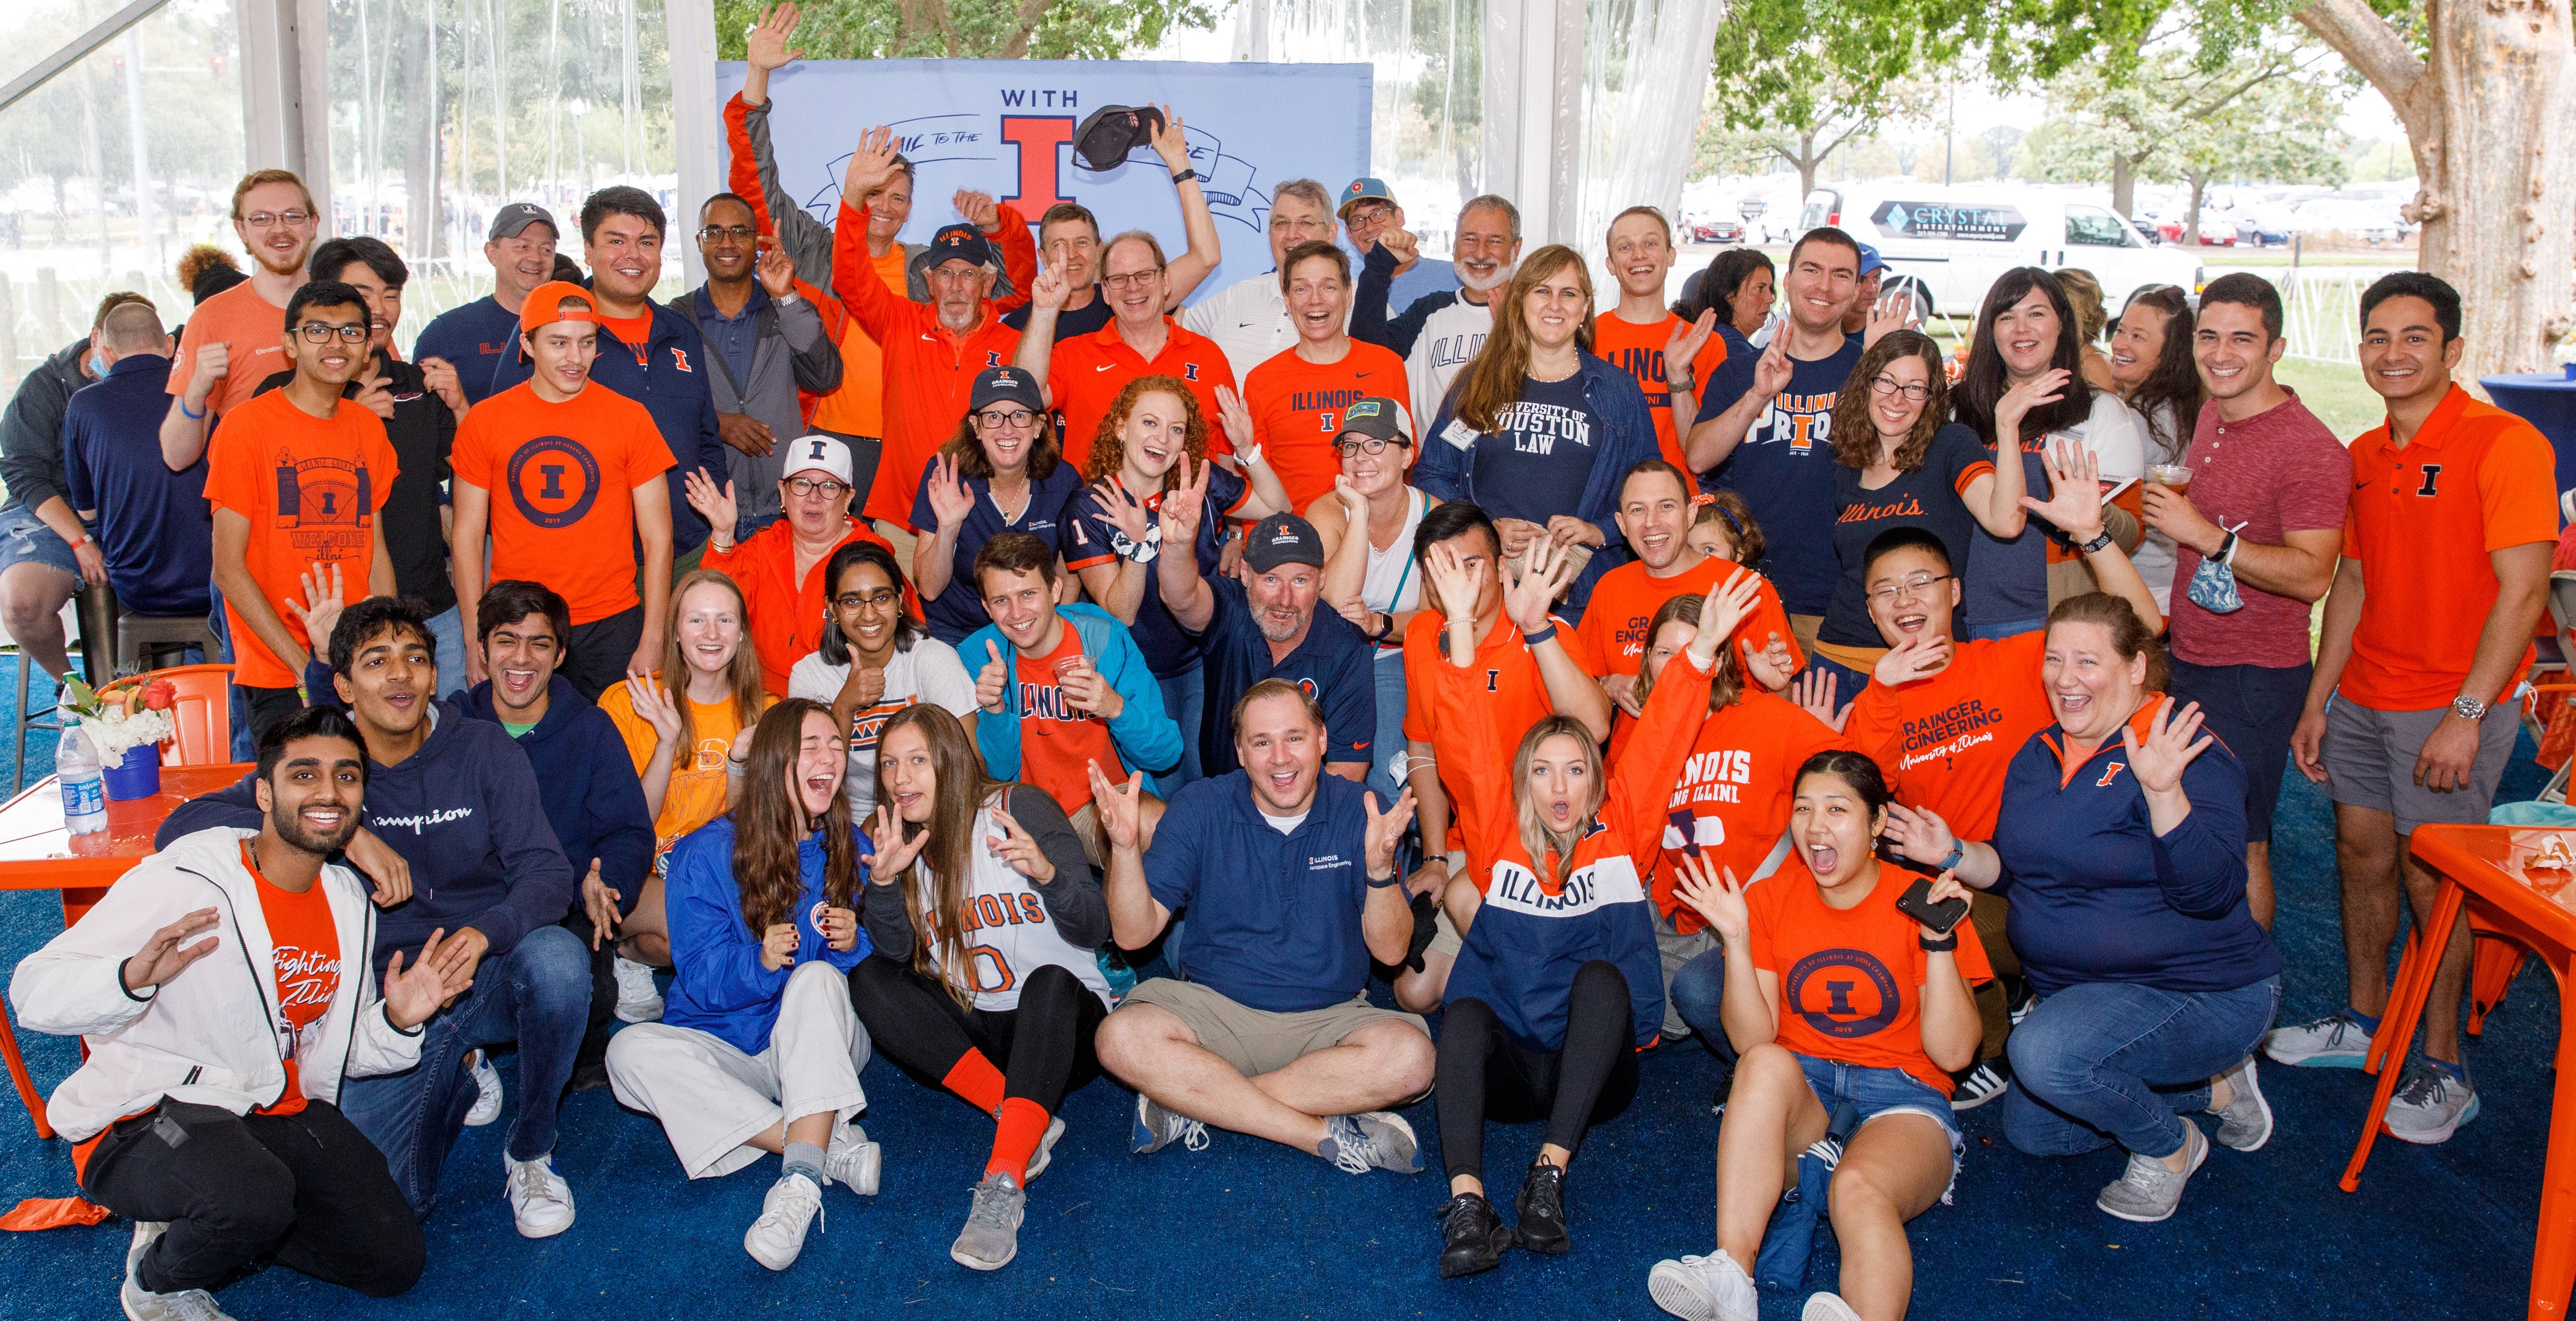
[1917,903]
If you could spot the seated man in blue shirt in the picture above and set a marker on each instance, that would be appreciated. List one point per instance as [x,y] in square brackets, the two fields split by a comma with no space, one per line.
[1288,879]
[1266,626]
[153,524]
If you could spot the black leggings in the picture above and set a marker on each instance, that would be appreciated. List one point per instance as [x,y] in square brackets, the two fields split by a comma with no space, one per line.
[1484,1074]
[1043,1048]
[306,1189]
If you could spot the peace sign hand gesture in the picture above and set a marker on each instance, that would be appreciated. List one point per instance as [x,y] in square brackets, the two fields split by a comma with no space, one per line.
[2158,763]
[1185,505]
[894,853]
[1018,848]
[1773,371]
[1682,349]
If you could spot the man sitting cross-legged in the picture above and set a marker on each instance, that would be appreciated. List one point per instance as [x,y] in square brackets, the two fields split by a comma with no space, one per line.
[1272,1034]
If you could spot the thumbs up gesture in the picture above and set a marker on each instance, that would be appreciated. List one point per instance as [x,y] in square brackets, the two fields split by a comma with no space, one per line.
[994,677]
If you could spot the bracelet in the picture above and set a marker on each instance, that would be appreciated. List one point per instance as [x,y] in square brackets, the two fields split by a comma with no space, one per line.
[2227,551]
[1941,946]
[1184,176]
[1958,854]
[1533,639]
[1376,884]
[199,416]
[1248,457]
[734,766]
[2098,543]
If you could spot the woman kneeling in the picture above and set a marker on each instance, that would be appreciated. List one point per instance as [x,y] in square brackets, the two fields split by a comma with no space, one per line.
[758,1050]
[1837,999]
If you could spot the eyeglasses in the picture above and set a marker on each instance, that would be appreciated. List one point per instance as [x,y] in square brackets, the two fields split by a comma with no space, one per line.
[1139,279]
[272,219]
[321,332]
[718,233]
[1013,417]
[815,486]
[1371,445]
[876,600]
[1885,385]
[1911,585]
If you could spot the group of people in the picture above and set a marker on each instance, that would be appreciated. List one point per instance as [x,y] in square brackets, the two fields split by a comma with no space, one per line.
[969,653]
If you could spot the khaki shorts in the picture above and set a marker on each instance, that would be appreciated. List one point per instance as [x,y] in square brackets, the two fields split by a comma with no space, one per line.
[1257,1041]
[1086,827]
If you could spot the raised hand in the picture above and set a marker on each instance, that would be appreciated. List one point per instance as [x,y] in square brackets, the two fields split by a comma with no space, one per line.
[1400,243]
[1118,805]
[599,900]
[777,271]
[951,499]
[167,952]
[653,705]
[2169,747]
[778,946]
[1814,693]
[1185,506]
[1773,370]
[2074,504]
[1050,289]
[1718,897]
[765,47]
[993,680]
[1768,665]
[1123,511]
[714,504]
[412,996]
[1914,658]
[1726,608]
[894,854]
[1893,311]
[1682,348]
[1385,831]
[1018,848]
[1237,421]
[319,611]
[1170,145]
[871,164]
[1459,584]
[1918,834]
[1543,575]
[2046,388]
[979,209]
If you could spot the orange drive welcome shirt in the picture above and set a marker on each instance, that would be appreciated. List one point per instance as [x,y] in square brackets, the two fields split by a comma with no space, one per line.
[1851,979]
[1087,372]
[1639,351]
[1625,600]
[1730,804]
[310,488]
[562,479]
[2474,480]
[1946,741]
[1297,406]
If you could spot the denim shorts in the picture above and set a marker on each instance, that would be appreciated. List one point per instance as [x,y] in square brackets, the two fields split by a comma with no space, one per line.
[1875,1092]
[25,539]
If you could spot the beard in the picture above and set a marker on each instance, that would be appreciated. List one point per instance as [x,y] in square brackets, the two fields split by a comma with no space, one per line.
[1278,632]
[1502,275]
[290,827]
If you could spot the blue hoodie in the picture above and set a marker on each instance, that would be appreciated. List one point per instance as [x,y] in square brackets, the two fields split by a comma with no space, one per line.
[463,811]
[718,985]
[1146,736]
[669,377]
[593,799]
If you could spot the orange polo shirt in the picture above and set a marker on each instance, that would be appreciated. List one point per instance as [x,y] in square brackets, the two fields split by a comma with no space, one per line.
[1087,372]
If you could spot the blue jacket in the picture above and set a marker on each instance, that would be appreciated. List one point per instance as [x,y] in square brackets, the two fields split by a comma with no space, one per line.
[2097,896]
[1449,472]
[463,811]
[584,773]
[718,985]
[1146,737]
[671,382]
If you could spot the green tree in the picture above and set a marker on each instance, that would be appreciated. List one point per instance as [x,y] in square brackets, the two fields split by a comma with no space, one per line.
[1801,126]
[980,29]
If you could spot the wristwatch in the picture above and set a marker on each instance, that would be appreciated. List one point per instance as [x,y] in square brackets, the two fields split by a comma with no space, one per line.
[2468,708]
[2099,543]
[1184,176]
[1958,853]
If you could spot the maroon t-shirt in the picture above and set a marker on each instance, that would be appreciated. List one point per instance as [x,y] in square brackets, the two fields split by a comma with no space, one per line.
[2277,472]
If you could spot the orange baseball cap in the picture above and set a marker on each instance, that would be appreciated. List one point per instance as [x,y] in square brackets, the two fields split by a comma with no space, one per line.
[541,308]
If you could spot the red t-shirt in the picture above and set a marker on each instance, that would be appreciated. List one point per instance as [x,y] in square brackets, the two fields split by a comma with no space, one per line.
[1058,741]
[1297,406]
[310,488]
[2277,472]
[1851,979]
[1945,741]
[306,969]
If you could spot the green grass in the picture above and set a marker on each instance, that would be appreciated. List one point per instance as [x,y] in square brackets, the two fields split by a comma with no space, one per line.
[2335,393]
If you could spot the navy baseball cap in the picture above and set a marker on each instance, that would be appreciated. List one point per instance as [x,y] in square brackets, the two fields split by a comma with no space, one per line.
[1282,539]
[509,220]
[959,242]
[1005,385]
[1870,260]
[1363,189]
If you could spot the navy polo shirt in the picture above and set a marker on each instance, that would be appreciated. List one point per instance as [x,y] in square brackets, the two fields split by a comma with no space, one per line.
[1334,664]
[1274,920]
[736,338]
[959,609]
[153,525]
[472,339]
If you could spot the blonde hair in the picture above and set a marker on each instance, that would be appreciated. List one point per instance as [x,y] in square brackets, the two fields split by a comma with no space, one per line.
[1536,838]
[742,673]
[258,177]
[2084,294]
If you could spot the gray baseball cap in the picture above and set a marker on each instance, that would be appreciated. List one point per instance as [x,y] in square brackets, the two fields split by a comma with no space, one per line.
[509,220]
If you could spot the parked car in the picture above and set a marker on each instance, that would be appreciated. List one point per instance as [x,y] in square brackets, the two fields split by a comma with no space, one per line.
[1709,229]
[2373,223]
[1951,243]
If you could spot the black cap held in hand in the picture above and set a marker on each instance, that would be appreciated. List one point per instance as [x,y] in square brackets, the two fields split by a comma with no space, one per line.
[1112,131]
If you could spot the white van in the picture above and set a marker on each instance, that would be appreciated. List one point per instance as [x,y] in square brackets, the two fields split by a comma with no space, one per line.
[1952,243]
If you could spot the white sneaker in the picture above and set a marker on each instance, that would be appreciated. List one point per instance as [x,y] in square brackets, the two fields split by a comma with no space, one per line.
[142,1304]
[539,1198]
[1827,1307]
[852,1162]
[2430,1104]
[487,1091]
[638,1000]
[1705,1289]
[778,1235]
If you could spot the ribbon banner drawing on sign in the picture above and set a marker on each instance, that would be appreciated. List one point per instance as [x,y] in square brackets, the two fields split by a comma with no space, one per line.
[1006,127]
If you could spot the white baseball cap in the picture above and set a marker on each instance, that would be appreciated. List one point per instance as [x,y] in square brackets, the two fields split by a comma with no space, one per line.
[823,454]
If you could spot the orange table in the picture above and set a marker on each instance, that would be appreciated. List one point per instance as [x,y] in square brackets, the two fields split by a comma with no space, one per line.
[37,854]
[2521,884]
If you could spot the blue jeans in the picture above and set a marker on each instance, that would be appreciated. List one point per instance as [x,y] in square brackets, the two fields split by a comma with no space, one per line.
[537,995]
[245,748]
[447,632]
[1388,670]
[1185,701]
[2111,1062]
[1698,989]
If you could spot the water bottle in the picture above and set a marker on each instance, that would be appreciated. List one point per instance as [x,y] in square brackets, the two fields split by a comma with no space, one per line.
[76,766]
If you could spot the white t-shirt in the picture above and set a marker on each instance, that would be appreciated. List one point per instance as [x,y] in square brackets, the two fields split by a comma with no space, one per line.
[929,672]
[1450,339]
[1009,933]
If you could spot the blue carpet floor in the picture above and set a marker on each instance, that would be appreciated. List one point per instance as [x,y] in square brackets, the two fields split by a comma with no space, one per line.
[1244,1228]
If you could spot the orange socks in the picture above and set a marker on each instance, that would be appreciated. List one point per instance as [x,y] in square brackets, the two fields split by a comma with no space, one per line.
[974,1078]
[1015,1140]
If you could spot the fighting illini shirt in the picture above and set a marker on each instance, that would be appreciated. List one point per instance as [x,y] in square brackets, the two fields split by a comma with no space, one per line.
[305,969]
[1851,979]
[562,478]
[1639,351]
[1945,741]
[1057,739]
[1297,406]
[310,488]
[1730,805]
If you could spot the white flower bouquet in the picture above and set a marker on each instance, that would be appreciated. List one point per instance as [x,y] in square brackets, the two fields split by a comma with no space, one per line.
[121,717]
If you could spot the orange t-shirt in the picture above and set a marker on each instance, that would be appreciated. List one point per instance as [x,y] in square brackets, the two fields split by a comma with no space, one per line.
[1087,372]
[1851,979]
[1516,689]
[1731,802]
[2423,521]
[635,332]
[1945,741]
[1639,351]
[1625,600]
[1297,406]
[306,968]
[696,794]
[253,328]
[857,408]
[562,478]
[1057,742]
[310,488]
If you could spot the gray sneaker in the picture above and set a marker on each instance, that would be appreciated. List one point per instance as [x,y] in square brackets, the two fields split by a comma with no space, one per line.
[2245,1123]
[1375,1140]
[2336,1041]
[992,1234]
[2148,1192]
[2430,1104]
[142,1304]
[1156,1128]
[1045,1154]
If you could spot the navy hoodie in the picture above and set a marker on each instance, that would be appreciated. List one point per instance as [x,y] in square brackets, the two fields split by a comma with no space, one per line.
[587,778]
[464,812]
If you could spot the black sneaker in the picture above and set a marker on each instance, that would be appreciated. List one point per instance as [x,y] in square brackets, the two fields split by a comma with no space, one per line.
[1542,1210]
[1472,1236]
[1977,1085]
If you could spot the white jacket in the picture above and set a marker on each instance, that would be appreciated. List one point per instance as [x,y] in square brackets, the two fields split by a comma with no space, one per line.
[209,1035]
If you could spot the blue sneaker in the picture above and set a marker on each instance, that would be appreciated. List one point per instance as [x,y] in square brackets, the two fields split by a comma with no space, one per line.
[2336,1041]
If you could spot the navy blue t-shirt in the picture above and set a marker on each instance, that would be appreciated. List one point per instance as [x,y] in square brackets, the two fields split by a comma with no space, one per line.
[1784,469]
[959,610]
[1089,319]
[1928,498]
[154,525]
[472,339]
[1334,666]
[1273,919]
[1088,538]
[1534,463]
